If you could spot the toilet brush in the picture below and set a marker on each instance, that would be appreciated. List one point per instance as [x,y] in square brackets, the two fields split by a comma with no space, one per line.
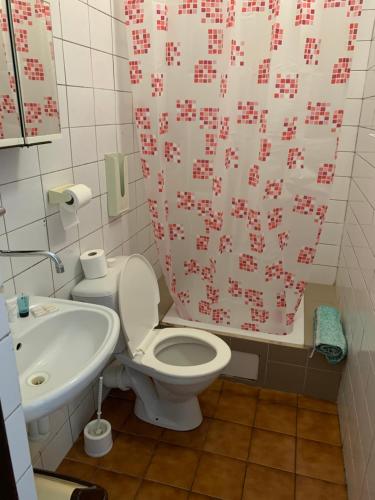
[98,433]
[99,429]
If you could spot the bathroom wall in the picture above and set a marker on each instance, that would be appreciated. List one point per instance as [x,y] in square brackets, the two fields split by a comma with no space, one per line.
[12,411]
[96,115]
[326,260]
[356,287]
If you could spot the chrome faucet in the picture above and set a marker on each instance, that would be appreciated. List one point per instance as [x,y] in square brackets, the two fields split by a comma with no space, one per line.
[59,266]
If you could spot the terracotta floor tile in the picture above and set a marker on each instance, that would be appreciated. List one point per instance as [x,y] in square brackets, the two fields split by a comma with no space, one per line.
[318,490]
[320,461]
[129,455]
[276,417]
[272,449]
[77,470]
[237,409]
[316,404]
[133,425]
[118,486]
[117,411]
[220,477]
[78,454]
[190,439]
[216,385]
[286,398]
[208,401]
[229,439]
[240,389]
[198,496]
[173,465]
[318,426]
[155,491]
[263,483]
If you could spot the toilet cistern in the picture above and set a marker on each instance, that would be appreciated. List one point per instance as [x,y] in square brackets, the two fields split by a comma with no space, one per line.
[59,266]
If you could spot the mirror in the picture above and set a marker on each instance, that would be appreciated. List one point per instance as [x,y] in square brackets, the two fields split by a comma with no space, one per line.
[28,51]
[10,123]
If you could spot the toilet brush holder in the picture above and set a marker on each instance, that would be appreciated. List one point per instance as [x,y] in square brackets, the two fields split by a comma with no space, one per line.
[97,438]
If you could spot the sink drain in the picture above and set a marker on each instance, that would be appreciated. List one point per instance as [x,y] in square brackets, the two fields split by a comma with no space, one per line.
[37,379]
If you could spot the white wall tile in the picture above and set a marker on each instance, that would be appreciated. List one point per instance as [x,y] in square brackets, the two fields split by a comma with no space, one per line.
[327,255]
[106,140]
[360,57]
[331,234]
[91,241]
[336,211]
[36,281]
[17,440]
[77,65]
[31,237]
[59,61]
[83,141]
[26,486]
[18,164]
[105,107]
[125,139]
[100,30]
[121,71]
[348,138]
[323,275]
[80,106]
[5,265]
[120,42]
[124,107]
[9,388]
[103,5]
[340,188]
[112,235]
[63,106]
[23,201]
[74,21]
[57,155]
[102,70]
[56,18]
[344,164]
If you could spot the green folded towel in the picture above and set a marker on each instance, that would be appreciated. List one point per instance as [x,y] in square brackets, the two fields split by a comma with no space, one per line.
[330,339]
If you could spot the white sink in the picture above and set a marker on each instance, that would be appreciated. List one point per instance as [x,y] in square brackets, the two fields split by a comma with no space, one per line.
[61,353]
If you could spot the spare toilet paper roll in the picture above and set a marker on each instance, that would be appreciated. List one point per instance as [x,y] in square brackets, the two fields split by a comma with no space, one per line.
[80,195]
[94,264]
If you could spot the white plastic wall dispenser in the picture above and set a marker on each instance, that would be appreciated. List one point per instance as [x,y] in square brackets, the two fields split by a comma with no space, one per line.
[117,176]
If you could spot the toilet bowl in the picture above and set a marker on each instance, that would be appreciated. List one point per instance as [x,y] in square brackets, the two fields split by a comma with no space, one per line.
[167,368]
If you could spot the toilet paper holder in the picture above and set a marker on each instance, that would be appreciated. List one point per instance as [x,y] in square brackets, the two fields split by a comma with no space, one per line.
[58,194]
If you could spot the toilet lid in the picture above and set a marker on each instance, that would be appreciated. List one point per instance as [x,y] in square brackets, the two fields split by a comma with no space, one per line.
[138,300]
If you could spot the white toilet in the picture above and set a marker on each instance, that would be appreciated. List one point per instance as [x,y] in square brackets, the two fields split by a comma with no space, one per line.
[167,368]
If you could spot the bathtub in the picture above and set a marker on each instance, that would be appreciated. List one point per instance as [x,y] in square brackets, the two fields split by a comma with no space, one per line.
[295,338]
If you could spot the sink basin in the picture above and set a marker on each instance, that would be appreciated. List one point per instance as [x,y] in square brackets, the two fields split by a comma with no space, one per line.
[61,353]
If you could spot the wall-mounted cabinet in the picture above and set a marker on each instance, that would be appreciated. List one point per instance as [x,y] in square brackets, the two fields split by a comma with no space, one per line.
[28,89]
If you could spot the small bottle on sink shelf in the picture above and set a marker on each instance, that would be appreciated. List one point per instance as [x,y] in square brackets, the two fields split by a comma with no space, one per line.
[23,305]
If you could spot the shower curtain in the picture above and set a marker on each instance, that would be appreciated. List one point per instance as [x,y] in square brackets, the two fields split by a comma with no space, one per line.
[238,107]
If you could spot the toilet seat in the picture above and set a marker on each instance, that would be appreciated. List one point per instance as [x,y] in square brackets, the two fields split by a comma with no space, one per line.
[138,304]
[183,336]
